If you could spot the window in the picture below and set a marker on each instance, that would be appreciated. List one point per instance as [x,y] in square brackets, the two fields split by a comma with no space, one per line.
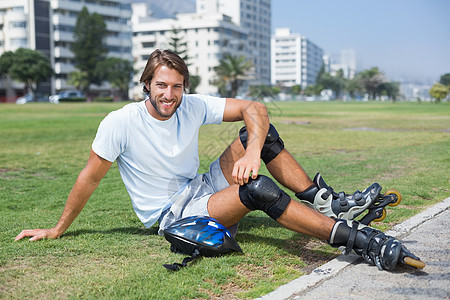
[19,42]
[148,44]
[18,24]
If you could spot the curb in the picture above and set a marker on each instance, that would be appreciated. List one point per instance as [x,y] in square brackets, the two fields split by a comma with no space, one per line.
[335,266]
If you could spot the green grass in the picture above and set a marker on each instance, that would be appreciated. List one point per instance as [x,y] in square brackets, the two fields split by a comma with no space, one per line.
[107,253]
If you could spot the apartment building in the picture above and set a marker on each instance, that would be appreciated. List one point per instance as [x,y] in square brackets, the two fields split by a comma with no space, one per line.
[295,59]
[255,16]
[209,37]
[48,25]
[345,63]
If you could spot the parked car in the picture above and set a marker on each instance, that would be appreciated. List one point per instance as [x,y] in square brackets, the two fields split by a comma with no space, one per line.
[31,98]
[66,95]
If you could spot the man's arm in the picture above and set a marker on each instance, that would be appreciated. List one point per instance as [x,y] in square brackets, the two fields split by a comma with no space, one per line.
[256,120]
[86,183]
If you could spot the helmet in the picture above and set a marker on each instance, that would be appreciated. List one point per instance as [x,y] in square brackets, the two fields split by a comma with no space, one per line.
[201,233]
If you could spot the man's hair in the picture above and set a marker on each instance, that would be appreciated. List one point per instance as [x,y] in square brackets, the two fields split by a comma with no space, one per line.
[164,58]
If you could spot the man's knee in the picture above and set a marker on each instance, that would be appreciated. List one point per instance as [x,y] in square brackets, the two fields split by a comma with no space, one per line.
[263,194]
[273,144]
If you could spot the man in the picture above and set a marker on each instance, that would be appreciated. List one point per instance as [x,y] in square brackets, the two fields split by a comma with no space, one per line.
[155,144]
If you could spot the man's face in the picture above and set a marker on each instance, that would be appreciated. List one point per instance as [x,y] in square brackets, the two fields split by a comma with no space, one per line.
[166,93]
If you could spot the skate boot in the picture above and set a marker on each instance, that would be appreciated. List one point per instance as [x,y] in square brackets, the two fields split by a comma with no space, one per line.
[322,198]
[374,246]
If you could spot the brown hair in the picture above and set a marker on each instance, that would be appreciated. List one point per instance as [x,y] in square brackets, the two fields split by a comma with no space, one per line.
[164,58]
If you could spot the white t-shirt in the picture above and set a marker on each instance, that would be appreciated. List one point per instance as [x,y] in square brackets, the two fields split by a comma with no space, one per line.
[156,159]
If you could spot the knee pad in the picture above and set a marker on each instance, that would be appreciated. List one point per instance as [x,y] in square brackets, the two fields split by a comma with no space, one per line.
[264,194]
[272,145]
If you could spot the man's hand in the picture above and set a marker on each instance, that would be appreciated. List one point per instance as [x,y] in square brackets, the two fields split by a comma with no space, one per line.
[38,234]
[244,166]
[86,183]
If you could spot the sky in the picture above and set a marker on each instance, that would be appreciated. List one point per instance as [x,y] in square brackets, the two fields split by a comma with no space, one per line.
[405,39]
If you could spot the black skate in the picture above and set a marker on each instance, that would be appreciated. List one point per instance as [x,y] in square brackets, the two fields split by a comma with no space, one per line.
[322,198]
[374,246]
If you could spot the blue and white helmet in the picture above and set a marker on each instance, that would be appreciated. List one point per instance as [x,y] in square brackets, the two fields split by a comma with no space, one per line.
[203,233]
[199,236]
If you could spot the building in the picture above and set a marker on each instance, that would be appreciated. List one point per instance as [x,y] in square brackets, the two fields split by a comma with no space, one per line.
[345,63]
[255,16]
[23,24]
[415,91]
[209,37]
[48,25]
[295,59]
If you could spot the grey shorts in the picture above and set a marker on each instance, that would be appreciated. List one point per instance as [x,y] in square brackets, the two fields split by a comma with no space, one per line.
[193,200]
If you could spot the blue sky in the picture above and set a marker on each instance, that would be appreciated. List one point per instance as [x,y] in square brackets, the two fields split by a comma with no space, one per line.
[408,38]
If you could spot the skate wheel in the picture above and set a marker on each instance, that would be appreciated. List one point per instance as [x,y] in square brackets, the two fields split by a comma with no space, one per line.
[382,217]
[414,262]
[397,194]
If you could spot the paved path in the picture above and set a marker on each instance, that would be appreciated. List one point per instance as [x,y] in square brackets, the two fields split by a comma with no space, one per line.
[349,277]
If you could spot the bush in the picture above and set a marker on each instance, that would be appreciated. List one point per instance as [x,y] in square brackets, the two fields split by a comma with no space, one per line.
[103,99]
[74,99]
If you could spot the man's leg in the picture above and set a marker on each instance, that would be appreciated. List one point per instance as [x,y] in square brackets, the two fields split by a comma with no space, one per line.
[231,204]
[226,207]
[316,193]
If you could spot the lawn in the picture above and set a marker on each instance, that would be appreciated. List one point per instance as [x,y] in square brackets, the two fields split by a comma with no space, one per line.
[107,252]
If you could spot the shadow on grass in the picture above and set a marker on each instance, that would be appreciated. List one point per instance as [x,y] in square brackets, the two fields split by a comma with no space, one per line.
[306,247]
[119,230]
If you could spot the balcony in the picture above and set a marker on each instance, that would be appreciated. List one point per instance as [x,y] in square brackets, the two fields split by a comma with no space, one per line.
[63,36]
[63,52]
[63,68]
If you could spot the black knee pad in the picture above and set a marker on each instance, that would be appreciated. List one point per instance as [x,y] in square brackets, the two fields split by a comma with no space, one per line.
[264,194]
[272,145]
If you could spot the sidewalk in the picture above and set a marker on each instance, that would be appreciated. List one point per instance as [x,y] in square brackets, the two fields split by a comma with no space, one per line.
[349,277]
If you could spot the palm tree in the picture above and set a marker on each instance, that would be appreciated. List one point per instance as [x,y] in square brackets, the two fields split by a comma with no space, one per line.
[80,80]
[371,80]
[231,73]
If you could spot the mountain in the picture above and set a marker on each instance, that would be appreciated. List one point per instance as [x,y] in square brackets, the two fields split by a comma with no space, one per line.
[168,8]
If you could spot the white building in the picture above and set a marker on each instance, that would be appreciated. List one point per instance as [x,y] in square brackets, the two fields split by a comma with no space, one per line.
[48,25]
[255,16]
[295,59]
[209,37]
[415,91]
[345,63]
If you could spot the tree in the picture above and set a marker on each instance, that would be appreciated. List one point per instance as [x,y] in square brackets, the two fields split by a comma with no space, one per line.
[313,90]
[231,73]
[178,45]
[27,66]
[259,92]
[354,87]
[371,79]
[335,83]
[88,44]
[194,82]
[439,91]
[118,72]
[445,79]
[79,79]
[296,89]
[390,89]
[6,61]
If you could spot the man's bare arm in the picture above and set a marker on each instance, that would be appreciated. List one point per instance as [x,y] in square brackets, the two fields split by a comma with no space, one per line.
[88,180]
[256,120]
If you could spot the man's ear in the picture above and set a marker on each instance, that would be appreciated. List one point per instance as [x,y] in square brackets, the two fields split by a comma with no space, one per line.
[147,84]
